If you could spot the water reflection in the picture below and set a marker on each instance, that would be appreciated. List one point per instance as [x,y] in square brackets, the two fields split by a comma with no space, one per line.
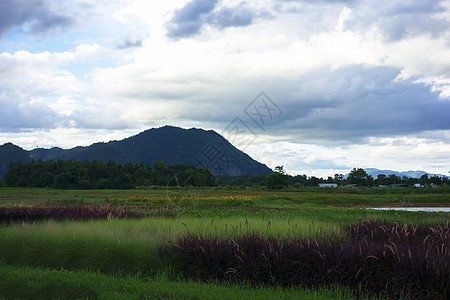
[430,209]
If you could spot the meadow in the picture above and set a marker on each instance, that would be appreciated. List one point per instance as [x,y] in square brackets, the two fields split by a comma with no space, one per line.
[189,243]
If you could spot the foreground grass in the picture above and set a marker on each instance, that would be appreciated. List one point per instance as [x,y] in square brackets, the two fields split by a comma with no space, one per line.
[42,283]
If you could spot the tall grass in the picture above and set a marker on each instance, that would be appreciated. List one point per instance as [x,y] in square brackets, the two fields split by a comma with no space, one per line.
[108,246]
[124,245]
[376,258]
[10,214]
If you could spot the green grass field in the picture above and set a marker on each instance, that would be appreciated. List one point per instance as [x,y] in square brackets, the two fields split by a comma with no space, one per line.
[122,258]
[341,197]
[44,283]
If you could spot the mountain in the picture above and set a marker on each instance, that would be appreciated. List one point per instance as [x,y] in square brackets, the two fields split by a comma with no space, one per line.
[172,145]
[10,152]
[413,174]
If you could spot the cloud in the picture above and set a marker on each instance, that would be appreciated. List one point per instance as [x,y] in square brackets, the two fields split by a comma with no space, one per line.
[31,16]
[355,102]
[400,19]
[30,84]
[100,114]
[129,43]
[36,74]
[34,113]
[393,19]
[337,106]
[238,16]
[189,20]
[360,83]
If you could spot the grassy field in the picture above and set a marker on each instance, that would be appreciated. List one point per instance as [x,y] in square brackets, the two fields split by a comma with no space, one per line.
[80,258]
[45,283]
[340,197]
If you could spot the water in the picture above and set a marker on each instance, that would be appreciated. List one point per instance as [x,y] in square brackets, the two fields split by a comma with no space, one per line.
[430,209]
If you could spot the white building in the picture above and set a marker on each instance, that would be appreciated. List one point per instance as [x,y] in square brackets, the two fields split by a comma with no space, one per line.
[328,184]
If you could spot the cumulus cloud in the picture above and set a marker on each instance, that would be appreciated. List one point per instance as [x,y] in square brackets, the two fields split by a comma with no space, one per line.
[357,81]
[35,16]
[189,20]
[129,43]
[29,84]
[393,19]
[355,102]
[401,19]
[398,19]
[34,113]
[237,16]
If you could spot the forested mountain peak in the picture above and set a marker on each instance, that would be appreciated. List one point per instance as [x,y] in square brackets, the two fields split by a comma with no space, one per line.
[172,145]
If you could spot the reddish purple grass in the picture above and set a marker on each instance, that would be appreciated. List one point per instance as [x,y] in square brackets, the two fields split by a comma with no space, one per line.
[410,262]
[10,214]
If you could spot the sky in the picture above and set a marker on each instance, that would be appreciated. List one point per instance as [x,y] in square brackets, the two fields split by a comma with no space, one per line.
[319,87]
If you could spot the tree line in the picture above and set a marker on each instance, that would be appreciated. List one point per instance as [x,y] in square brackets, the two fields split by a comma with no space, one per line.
[358,176]
[62,174]
[95,174]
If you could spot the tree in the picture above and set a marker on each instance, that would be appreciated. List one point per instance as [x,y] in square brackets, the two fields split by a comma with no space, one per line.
[313,181]
[160,173]
[394,179]
[300,180]
[279,169]
[382,179]
[338,178]
[278,179]
[144,177]
[359,177]
[424,179]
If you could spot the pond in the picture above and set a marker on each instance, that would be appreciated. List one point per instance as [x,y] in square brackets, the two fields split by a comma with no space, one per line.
[430,209]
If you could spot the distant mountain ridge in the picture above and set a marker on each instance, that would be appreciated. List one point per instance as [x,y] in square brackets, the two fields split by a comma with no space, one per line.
[412,174]
[172,145]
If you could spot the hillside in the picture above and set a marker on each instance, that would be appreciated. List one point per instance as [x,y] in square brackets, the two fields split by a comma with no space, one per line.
[172,145]
[10,152]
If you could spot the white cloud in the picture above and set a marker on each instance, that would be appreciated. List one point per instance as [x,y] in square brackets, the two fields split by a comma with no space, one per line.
[344,72]
[400,153]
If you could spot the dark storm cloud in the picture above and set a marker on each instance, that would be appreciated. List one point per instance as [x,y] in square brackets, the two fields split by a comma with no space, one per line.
[355,102]
[34,16]
[188,21]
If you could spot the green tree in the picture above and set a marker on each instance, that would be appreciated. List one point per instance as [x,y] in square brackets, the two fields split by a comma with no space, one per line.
[144,177]
[382,179]
[278,179]
[424,179]
[338,178]
[359,177]
[313,181]
[160,173]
